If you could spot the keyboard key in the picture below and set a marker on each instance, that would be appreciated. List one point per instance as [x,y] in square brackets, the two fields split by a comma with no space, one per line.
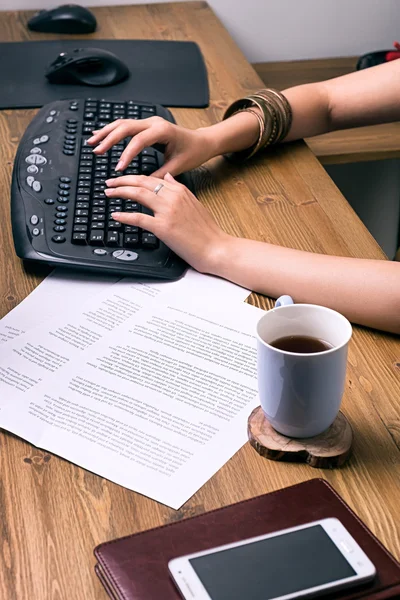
[81,213]
[132,207]
[131,229]
[114,225]
[112,238]
[148,152]
[98,210]
[149,240]
[131,240]
[147,169]
[79,238]
[80,228]
[150,160]
[83,198]
[62,209]
[59,228]
[58,239]
[96,217]
[81,220]
[60,221]
[60,214]
[97,225]
[96,238]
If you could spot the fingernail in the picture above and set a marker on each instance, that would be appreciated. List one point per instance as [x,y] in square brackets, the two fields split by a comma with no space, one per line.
[107,192]
[109,181]
[90,139]
[119,166]
[116,215]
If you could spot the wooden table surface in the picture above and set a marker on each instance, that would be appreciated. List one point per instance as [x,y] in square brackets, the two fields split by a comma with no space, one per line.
[52,513]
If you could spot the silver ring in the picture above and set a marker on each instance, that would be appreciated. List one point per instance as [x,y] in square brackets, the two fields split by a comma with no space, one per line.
[158,188]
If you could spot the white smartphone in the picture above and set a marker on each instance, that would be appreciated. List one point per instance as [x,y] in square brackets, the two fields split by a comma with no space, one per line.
[299,562]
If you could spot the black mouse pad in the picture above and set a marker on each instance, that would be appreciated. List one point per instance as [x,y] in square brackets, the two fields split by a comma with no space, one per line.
[162,72]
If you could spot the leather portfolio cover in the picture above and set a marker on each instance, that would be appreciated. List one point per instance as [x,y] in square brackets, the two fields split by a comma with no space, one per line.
[136,567]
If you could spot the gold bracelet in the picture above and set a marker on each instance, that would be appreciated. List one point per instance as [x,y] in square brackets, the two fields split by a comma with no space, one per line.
[275,118]
[248,152]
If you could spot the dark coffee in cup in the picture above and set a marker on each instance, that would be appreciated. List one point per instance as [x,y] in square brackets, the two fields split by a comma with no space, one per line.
[301,344]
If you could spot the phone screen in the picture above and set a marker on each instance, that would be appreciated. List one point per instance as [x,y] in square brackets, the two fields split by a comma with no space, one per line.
[283,564]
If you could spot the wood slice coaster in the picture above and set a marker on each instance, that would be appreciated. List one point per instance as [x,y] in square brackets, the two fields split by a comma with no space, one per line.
[325,451]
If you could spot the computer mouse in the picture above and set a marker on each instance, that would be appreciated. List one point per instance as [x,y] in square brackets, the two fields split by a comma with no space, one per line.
[68,18]
[87,66]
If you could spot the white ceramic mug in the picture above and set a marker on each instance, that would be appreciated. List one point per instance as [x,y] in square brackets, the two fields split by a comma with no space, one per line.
[300,394]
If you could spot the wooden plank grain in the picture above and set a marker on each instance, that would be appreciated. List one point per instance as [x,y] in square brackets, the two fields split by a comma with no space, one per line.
[53,512]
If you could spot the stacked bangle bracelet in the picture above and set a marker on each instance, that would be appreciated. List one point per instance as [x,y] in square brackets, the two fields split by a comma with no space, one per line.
[274,116]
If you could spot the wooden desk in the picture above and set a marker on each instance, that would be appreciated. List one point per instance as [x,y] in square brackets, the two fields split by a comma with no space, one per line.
[53,513]
[375,142]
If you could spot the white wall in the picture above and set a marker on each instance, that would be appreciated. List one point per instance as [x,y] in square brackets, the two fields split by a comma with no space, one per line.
[270,30]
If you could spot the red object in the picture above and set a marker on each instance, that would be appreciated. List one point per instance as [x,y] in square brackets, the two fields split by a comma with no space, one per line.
[394,54]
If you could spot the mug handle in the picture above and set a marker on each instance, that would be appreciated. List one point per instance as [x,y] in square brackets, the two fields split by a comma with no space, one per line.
[284,301]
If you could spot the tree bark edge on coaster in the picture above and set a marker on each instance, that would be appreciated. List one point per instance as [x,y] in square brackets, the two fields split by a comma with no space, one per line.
[329,450]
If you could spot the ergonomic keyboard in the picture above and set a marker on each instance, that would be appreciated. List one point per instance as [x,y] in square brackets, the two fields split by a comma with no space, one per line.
[60,214]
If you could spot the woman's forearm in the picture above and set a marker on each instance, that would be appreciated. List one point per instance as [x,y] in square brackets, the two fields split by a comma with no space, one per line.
[367,292]
[360,98]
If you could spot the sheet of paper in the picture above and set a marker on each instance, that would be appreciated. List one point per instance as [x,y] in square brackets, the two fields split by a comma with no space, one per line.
[61,292]
[158,404]
[31,358]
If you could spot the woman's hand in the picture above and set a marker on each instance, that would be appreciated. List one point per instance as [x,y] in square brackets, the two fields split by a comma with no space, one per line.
[185,149]
[179,218]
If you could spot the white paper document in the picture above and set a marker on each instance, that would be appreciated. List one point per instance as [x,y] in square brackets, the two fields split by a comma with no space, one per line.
[61,292]
[33,357]
[157,404]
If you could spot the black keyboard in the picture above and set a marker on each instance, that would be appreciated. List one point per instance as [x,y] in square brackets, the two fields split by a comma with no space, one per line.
[59,212]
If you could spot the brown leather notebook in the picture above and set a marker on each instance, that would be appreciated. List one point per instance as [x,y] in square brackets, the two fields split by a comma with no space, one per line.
[136,567]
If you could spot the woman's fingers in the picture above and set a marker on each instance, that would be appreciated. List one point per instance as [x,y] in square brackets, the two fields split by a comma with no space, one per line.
[137,194]
[157,131]
[175,166]
[136,220]
[114,136]
[100,134]
[148,182]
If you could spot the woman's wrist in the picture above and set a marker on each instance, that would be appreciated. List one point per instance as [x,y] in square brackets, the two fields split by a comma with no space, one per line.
[218,258]
[237,133]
